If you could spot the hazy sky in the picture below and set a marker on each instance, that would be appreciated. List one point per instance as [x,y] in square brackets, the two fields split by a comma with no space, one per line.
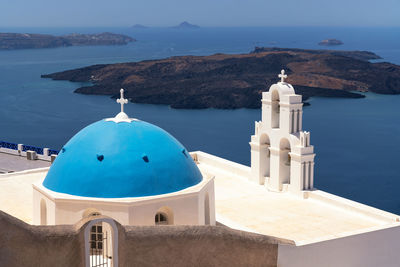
[48,13]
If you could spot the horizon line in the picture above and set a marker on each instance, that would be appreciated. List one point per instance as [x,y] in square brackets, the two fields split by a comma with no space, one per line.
[232,26]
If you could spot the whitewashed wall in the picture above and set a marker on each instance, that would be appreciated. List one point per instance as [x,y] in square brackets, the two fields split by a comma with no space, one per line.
[378,248]
[187,208]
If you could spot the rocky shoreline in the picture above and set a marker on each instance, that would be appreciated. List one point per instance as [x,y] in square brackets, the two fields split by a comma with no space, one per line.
[237,81]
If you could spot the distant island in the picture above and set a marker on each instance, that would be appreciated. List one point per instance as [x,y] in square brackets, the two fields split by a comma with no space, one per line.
[183,25]
[236,81]
[330,42]
[186,25]
[360,55]
[139,26]
[9,41]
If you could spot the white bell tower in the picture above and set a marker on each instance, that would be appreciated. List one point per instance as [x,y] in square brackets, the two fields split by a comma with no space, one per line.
[281,155]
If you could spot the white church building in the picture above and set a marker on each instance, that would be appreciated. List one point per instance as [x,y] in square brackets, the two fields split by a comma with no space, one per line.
[138,174]
[129,170]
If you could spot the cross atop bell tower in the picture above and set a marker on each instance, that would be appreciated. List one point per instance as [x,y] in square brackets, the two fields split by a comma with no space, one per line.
[283,76]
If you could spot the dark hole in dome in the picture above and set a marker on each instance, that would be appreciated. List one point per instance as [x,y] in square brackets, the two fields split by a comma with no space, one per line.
[145,158]
[184,152]
[63,150]
[100,157]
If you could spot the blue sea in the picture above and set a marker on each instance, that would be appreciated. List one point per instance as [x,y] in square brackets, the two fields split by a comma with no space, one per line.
[357,141]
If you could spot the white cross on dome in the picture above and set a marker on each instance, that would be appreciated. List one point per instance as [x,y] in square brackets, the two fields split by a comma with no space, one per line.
[122,100]
[122,116]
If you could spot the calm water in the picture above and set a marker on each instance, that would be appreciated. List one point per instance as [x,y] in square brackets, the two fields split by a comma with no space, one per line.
[356,140]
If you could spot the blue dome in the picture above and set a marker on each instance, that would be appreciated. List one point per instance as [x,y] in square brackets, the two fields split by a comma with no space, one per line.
[115,160]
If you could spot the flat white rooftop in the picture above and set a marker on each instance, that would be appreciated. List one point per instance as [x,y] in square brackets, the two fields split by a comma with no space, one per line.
[16,192]
[310,217]
[15,163]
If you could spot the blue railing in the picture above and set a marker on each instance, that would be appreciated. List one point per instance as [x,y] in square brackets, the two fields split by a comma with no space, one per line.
[52,151]
[38,150]
[9,145]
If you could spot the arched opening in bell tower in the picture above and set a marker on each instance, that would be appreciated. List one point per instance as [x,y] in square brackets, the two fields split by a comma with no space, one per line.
[275,109]
[265,155]
[284,161]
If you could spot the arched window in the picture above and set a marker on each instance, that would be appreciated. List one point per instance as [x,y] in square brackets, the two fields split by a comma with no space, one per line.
[161,219]
[207,209]
[275,109]
[43,212]
[164,216]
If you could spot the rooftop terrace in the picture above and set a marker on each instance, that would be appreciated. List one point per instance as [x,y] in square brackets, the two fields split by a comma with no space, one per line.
[19,157]
[16,192]
[304,218]
[240,204]
[15,163]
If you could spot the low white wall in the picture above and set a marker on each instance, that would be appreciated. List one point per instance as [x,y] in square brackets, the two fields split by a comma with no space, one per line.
[222,164]
[352,206]
[21,173]
[23,153]
[377,248]
[11,151]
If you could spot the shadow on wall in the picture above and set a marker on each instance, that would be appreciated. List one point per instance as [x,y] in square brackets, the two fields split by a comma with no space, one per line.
[65,245]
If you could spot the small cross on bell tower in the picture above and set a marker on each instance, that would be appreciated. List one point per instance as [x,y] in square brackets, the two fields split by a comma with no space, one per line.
[283,76]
